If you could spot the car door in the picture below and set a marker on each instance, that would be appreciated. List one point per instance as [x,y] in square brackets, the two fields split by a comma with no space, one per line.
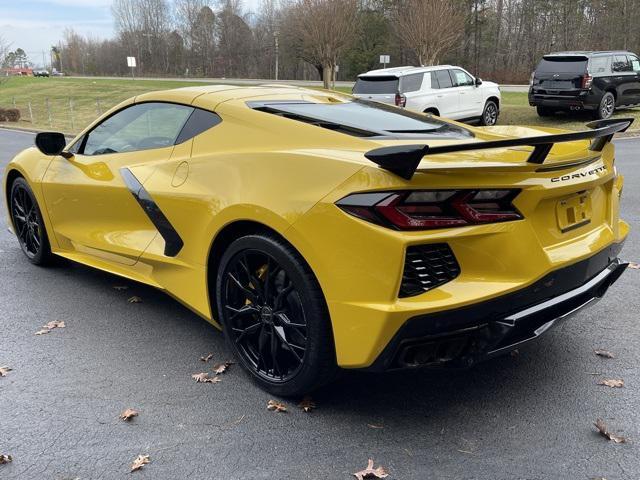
[447,100]
[470,96]
[91,208]
[624,78]
[633,89]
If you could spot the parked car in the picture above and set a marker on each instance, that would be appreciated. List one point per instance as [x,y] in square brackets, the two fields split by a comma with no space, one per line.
[443,90]
[322,231]
[598,82]
[41,73]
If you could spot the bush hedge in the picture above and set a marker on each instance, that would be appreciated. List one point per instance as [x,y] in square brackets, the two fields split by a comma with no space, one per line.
[9,115]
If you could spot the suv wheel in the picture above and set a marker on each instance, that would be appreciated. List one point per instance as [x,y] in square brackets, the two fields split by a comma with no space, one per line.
[544,111]
[490,114]
[606,107]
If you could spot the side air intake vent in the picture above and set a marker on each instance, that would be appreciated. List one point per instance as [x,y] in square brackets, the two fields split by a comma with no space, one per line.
[427,267]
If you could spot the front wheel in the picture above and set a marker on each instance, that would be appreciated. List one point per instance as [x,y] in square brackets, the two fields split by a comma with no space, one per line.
[274,315]
[490,114]
[28,224]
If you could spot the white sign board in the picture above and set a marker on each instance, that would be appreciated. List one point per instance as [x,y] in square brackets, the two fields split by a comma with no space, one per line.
[384,59]
[131,61]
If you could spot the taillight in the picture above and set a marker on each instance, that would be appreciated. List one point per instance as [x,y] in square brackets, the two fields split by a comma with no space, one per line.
[586,81]
[533,74]
[429,209]
[401,100]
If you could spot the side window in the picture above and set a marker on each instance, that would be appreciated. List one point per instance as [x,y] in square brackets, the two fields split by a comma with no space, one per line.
[434,80]
[621,64]
[635,63]
[444,80]
[461,79]
[199,121]
[140,127]
[411,83]
[599,65]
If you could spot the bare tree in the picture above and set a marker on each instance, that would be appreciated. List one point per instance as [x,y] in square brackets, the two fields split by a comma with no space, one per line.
[429,28]
[322,29]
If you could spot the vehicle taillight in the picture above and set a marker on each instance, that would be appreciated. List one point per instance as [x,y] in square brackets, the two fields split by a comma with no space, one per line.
[586,81]
[533,74]
[401,100]
[429,209]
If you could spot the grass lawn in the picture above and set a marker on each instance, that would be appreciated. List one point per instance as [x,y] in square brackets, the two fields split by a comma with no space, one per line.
[87,98]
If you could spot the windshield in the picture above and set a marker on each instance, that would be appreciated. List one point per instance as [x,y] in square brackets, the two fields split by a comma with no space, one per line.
[376,85]
[363,118]
[562,65]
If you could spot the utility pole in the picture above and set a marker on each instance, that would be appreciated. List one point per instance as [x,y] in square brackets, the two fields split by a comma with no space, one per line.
[277,52]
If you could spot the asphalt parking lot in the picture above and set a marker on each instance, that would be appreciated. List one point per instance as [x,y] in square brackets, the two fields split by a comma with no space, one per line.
[528,416]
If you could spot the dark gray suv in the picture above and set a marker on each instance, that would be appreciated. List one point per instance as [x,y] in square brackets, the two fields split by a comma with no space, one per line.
[598,82]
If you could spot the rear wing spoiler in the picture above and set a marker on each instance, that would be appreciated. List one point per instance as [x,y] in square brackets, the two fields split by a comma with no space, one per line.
[403,160]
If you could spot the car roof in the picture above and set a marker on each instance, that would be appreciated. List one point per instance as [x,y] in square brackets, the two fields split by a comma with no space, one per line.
[401,71]
[587,53]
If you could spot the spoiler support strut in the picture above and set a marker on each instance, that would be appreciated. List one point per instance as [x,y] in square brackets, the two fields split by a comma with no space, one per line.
[403,160]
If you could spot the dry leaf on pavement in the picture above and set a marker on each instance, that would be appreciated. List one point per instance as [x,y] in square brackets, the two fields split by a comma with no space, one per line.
[307,404]
[371,472]
[120,287]
[128,414]
[5,459]
[204,377]
[43,331]
[135,299]
[207,357]
[276,406]
[4,370]
[373,425]
[139,462]
[613,383]
[54,324]
[634,265]
[603,353]
[602,428]
[221,367]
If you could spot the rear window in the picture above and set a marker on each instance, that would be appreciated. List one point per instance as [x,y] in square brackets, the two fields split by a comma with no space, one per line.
[411,83]
[443,80]
[376,85]
[599,65]
[362,118]
[562,65]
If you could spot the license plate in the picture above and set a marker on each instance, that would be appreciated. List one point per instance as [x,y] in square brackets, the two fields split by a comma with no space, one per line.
[574,211]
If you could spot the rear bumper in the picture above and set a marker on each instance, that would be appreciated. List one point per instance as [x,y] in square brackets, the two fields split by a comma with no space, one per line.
[578,100]
[465,336]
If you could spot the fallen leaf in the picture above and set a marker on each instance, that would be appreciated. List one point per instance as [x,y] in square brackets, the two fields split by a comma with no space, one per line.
[613,383]
[4,370]
[371,472]
[207,357]
[120,287]
[373,425]
[204,377]
[128,414]
[307,404]
[5,459]
[43,332]
[276,406]
[634,265]
[603,353]
[221,367]
[54,324]
[135,299]
[139,462]
[602,428]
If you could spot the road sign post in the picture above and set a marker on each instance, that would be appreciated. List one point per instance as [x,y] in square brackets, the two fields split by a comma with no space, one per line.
[384,59]
[131,62]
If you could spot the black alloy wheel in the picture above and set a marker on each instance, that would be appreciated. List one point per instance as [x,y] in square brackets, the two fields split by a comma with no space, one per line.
[490,114]
[274,316]
[28,224]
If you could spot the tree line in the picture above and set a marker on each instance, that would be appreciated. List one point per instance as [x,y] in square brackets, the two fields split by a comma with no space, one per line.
[501,40]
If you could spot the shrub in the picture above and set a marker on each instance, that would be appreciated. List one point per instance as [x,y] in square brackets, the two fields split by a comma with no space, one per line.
[3,117]
[12,114]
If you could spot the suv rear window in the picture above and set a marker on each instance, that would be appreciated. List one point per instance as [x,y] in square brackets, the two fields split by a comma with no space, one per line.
[562,65]
[376,85]
[411,83]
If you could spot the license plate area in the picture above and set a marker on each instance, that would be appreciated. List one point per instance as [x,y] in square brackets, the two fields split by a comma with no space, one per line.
[574,211]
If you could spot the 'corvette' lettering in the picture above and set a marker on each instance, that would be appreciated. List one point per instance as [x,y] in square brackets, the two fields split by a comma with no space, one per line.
[573,176]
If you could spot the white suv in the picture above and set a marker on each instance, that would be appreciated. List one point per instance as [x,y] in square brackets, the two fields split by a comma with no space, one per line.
[443,90]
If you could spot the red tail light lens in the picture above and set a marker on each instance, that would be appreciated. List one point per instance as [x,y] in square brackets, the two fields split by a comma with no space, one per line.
[586,81]
[429,209]
[401,100]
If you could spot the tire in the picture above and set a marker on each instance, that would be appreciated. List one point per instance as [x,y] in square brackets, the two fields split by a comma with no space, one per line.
[293,321]
[28,224]
[544,111]
[606,108]
[490,114]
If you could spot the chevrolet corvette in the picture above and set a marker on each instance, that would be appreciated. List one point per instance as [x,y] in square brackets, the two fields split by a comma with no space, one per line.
[321,232]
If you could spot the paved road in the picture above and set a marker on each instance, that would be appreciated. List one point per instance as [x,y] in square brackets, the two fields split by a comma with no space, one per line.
[524,417]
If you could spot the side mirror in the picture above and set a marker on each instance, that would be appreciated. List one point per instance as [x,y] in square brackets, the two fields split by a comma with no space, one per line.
[51,143]
[478,81]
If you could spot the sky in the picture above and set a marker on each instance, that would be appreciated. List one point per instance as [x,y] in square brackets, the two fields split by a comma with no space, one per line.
[35,25]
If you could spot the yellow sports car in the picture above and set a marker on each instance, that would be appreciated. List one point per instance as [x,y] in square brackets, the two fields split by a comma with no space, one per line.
[320,231]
